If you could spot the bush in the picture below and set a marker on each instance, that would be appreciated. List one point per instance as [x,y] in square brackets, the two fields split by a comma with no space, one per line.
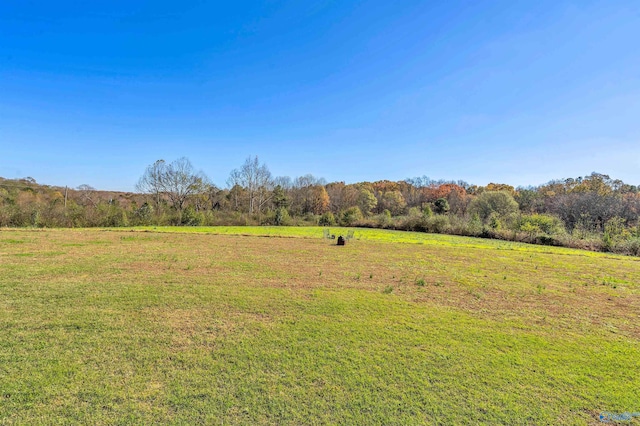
[384,220]
[474,226]
[143,215]
[190,217]
[350,216]
[591,242]
[461,226]
[547,240]
[494,221]
[633,246]
[111,215]
[540,223]
[233,218]
[630,246]
[367,222]
[282,217]
[438,224]
[327,219]
[413,211]
[209,218]
[269,218]
[411,223]
[614,233]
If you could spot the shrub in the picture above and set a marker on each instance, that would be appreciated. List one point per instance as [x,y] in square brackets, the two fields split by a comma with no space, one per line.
[412,223]
[540,223]
[278,217]
[384,220]
[633,246]
[111,215]
[614,233]
[282,217]
[438,223]
[367,222]
[630,246]
[191,217]
[547,240]
[351,216]
[413,211]
[615,229]
[143,215]
[327,219]
[474,226]
[494,221]
[459,225]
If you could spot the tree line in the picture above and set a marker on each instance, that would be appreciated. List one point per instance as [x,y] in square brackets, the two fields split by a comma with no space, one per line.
[593,212]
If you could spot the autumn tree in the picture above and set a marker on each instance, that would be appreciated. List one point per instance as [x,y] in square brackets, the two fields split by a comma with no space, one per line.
[444,191]
[413,190]
[366,201]
[318,199]
[500,203]
[599,183]
[309,195]
[529,200]
[392,201]
[495,187]
[342,196]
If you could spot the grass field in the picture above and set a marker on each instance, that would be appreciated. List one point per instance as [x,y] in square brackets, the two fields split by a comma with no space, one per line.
[224,326]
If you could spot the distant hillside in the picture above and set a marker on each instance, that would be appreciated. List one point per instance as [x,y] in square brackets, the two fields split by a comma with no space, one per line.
[83,192]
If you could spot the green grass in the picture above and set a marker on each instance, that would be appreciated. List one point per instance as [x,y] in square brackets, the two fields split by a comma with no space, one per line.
[220,326]
[366,234]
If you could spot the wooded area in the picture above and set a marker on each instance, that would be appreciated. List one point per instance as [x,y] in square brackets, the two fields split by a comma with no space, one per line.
[594,212]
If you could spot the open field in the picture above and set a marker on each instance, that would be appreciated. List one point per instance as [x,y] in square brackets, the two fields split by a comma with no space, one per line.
[201,325]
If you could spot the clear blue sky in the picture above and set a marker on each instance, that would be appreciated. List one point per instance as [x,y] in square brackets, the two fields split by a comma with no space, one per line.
[504,91]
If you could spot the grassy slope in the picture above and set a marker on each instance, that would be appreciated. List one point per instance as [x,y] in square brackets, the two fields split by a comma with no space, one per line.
[107,327]
[366,234]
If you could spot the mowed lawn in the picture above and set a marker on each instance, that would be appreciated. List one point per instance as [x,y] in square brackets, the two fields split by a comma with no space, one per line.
[208,326]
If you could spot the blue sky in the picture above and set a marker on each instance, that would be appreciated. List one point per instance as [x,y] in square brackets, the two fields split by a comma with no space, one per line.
[501,91]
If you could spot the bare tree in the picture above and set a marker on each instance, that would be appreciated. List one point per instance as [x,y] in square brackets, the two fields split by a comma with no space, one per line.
[256,179]
[87,193]
[151,180]
[235,188]
[285,182]
[177,180]
[181,181]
